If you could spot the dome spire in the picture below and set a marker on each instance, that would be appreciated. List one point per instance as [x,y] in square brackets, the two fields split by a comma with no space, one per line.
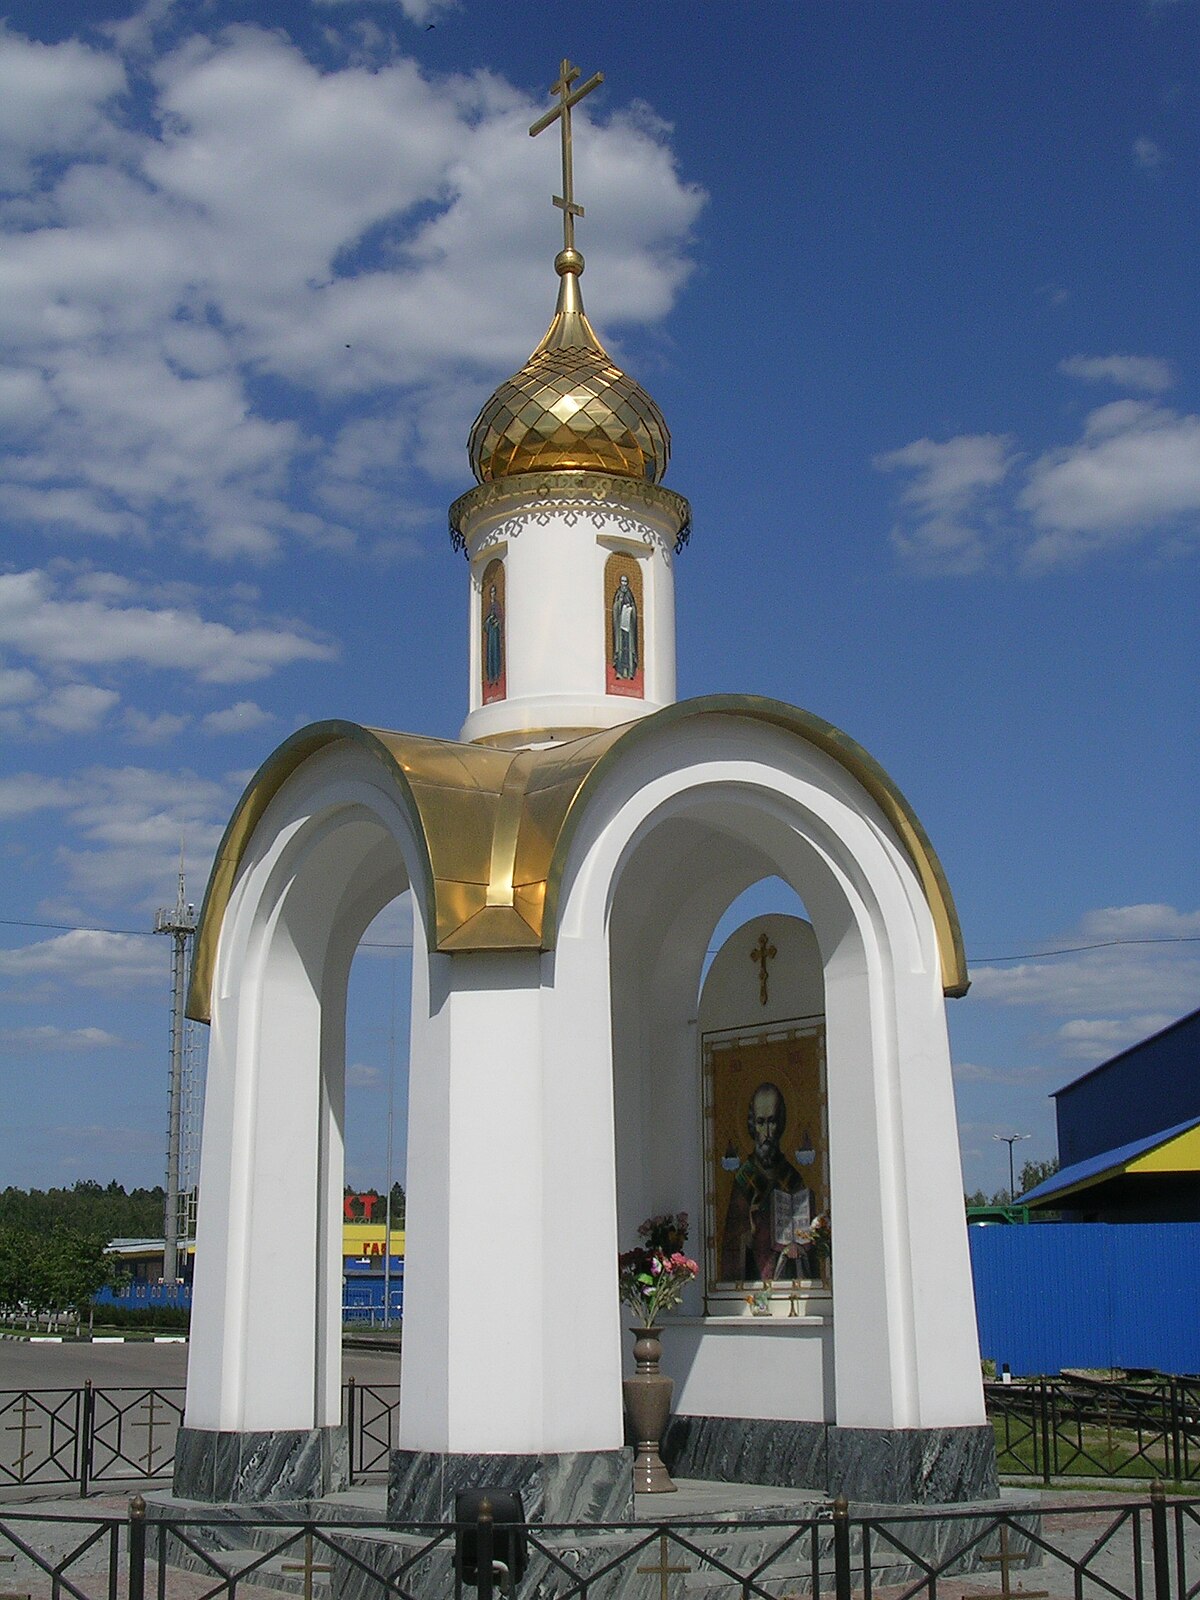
[570,407]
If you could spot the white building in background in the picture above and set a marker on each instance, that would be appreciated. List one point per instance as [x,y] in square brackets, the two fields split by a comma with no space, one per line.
[569,857]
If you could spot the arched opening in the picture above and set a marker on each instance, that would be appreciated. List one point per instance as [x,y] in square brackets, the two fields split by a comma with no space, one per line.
[330,852]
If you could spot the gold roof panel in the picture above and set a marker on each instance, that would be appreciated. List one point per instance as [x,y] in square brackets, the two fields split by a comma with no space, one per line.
[494,827]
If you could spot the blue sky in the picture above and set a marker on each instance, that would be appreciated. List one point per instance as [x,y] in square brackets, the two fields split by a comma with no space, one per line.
[915,287]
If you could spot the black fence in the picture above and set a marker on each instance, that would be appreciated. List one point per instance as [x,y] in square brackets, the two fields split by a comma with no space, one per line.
[1049,1430]
[89,1437]
[1075,1427]
[1131,1550]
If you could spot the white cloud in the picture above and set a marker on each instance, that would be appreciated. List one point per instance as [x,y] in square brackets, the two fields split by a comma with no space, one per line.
[51,100]
[51,1039]
[127,824]
[26,792]
[1133,476]
[361,1076]
[76,707]
[140,727]
[1148,154]
[266,219]
[1136,470]
[64,630]
[417,11]
[948,489]
[1114,981]
[91,959]
[243,717]
[1097,1038]
[1148,373]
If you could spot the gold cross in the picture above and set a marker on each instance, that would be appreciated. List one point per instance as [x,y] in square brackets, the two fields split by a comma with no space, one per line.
[763,952]
[664,1569]
[24,1430]
[565,201]
[308,1566]
[1005,1560]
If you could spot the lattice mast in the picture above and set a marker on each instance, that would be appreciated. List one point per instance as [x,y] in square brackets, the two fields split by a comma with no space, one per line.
[180,923]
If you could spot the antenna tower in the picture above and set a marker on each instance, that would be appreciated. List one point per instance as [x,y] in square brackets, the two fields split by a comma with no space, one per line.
[180,922]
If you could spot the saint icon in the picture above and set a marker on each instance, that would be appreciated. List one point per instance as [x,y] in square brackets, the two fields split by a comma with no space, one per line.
[492,628]
[625,631]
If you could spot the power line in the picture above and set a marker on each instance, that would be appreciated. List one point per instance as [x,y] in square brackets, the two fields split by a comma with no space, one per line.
[384,944]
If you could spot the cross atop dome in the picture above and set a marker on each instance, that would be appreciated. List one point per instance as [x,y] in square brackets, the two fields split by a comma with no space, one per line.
[567,97]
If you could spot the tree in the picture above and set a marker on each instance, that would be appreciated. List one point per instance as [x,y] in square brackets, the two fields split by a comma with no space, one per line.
[1035,1172]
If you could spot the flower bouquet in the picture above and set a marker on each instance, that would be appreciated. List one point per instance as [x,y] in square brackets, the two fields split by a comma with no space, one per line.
[654,1274]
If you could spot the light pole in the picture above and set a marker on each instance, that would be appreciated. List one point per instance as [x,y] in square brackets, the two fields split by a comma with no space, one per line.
[1011,1139]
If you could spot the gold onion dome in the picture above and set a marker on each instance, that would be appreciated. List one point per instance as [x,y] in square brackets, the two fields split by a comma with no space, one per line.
[570,407]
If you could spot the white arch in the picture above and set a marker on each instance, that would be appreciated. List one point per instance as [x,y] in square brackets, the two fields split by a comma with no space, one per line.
[327,855]
[902,1279]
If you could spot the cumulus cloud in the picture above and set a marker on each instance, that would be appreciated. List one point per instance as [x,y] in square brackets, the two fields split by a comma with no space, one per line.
[359,1075]
[90,959]
[1131,477]
[265,220]
[243,717]
[53,623]
[123,828]
[948,488]
[1148,373]
[1159,978]
[1148,154]
[1097,1038]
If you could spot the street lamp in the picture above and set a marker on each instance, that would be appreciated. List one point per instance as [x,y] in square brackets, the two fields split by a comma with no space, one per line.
[1011,1139]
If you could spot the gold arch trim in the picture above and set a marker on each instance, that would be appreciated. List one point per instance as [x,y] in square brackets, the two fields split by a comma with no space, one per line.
[494,828]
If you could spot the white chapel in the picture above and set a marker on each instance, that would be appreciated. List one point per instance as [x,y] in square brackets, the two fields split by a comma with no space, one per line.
[576,1063]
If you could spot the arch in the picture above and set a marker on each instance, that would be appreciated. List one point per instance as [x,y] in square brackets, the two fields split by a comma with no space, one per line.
[331,847]
[495,827]
[662,841]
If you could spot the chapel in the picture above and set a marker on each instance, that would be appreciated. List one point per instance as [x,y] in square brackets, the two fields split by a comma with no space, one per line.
[577,1062]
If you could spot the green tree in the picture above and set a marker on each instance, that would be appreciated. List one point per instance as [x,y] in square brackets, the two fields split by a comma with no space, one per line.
[1035,1172]
[16,1266]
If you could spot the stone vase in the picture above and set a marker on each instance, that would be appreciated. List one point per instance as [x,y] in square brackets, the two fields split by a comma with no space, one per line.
[648,1402]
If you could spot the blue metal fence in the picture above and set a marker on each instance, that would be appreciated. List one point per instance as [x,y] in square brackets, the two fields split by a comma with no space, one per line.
[1088,1294]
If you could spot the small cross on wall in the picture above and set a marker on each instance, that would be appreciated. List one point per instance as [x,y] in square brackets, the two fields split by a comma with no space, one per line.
[763,952]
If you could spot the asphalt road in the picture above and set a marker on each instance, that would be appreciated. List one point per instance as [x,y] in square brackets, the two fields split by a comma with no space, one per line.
[164,1366]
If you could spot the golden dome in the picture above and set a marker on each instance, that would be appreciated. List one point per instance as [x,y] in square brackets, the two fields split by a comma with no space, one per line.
[569,406]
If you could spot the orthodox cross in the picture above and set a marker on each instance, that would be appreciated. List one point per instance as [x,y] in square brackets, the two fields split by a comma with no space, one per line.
[567,97]
[23,1430]
[664,1568]
[1006,1560]
[308,1566]
[153,1421]
[763,952]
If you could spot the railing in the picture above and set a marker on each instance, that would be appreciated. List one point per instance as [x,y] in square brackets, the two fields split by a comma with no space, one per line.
[89,1436]
[1073,1427]
[1136,1550]
[1046,1430]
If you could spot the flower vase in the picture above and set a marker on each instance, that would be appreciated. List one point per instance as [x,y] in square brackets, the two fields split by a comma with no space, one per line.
[648,1402]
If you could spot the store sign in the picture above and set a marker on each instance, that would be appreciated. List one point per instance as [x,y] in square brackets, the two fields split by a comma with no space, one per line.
[360,1207]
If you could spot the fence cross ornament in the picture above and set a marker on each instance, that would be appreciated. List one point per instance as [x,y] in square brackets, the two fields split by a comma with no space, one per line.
[567,97]
[308,1566]
[1005,1560]
[763,952]
[664,1569]
[23,1429]
[152,1421]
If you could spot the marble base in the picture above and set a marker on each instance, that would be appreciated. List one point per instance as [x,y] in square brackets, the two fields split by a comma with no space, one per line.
[880,1466]
[263,1468]
[576,1486]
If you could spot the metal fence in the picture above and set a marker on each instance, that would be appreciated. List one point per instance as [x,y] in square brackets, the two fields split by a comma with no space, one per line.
[90,1436]
[1071,1428]
[1130,1550]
